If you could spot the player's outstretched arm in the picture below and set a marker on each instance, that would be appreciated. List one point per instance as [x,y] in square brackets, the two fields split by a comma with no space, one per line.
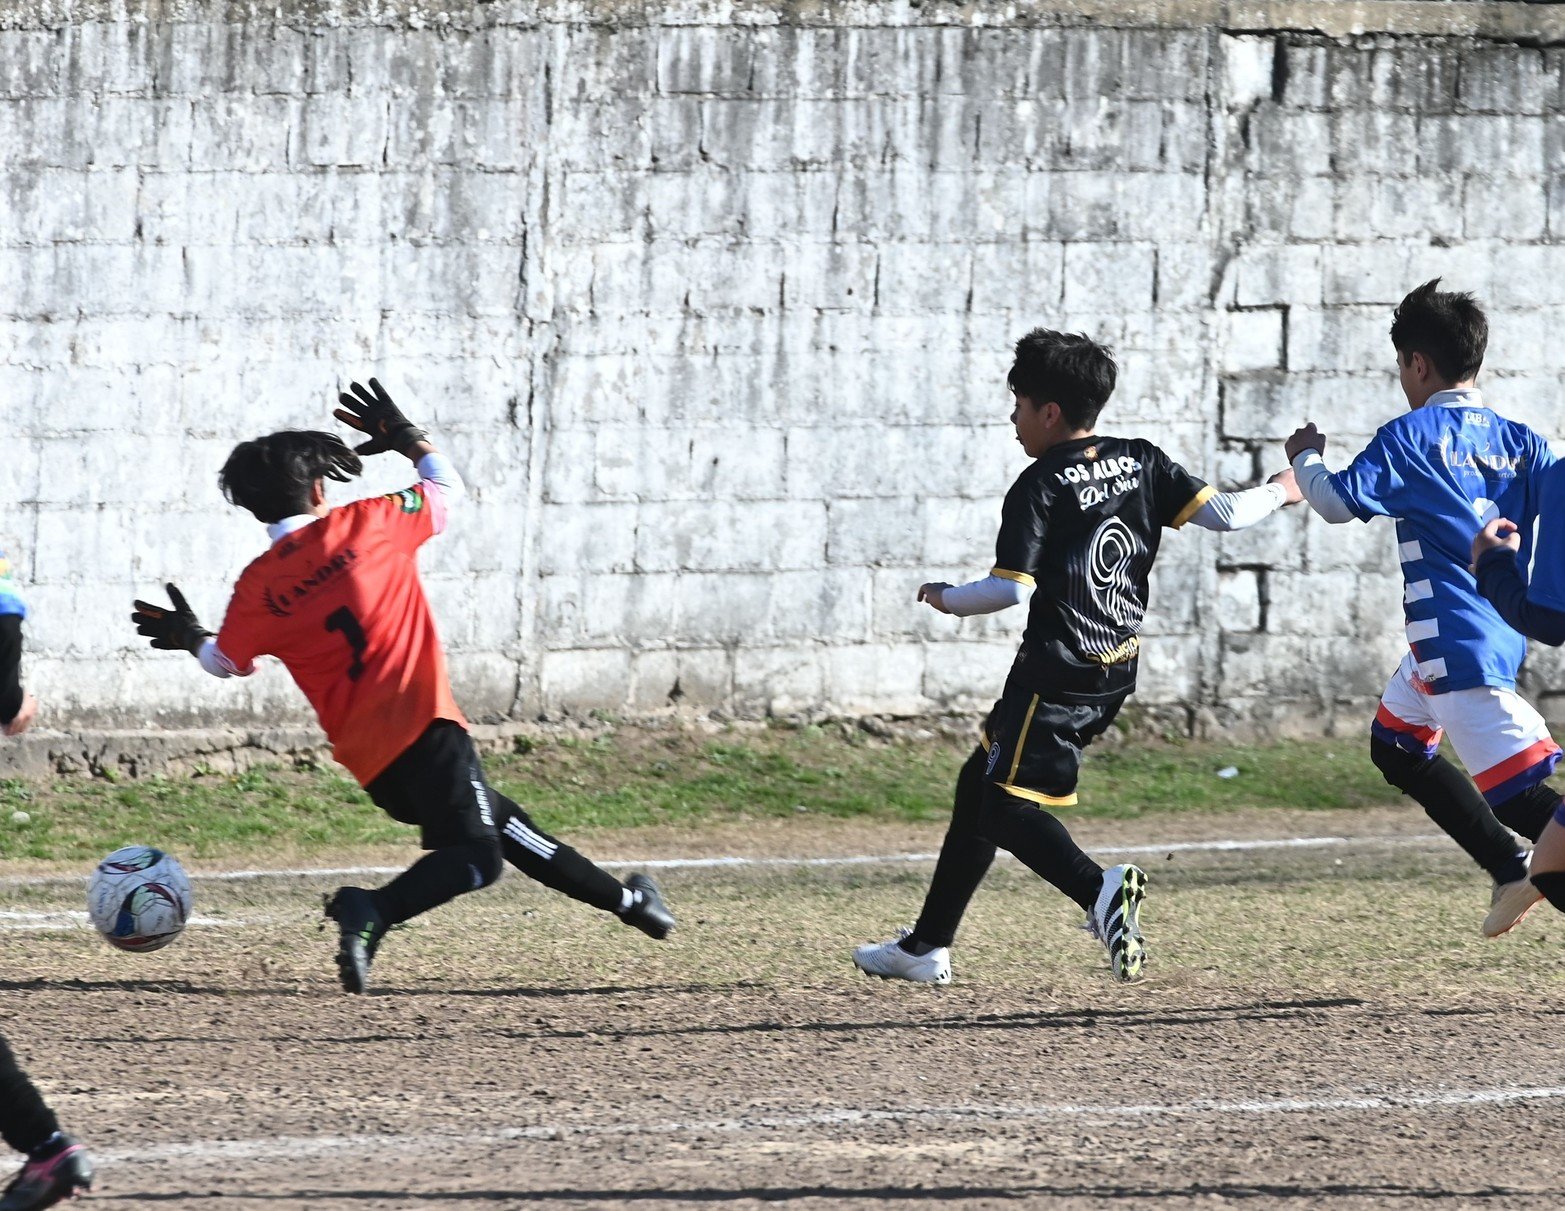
[1495,548]
[170,628]
[985,596]
[371,410]
[1238,510]
[175,628]
[1306,449]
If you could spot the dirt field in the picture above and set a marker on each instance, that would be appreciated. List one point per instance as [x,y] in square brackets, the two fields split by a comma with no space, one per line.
[1322,1023]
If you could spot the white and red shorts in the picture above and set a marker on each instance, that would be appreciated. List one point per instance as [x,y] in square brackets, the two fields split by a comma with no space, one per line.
[1499,738]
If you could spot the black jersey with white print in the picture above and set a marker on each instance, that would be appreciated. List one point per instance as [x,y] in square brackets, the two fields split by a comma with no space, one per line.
[1081,526]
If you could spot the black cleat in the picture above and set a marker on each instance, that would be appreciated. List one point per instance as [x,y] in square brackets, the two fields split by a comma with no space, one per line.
[59,1171]
[648,914]
[361,930]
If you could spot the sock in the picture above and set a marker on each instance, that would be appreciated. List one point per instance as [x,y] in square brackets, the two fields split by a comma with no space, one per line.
[1552,884]
[1526,813]
[1513,871]
[1450,799]
[913,946]
[48,1148]
[628,899]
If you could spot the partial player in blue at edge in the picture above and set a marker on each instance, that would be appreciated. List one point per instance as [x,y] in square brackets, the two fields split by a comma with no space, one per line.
[1441,471]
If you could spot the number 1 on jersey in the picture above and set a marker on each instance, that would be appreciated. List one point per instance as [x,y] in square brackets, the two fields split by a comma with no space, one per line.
[346,623]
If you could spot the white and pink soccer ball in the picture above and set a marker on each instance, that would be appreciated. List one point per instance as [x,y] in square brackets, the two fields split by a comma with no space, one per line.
[139,898]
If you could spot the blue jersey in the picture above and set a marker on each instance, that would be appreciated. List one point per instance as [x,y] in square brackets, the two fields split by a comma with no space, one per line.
[10,595]
[1442,471]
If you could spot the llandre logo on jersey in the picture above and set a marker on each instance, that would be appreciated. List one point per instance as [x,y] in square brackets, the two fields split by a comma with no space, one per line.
[281,599]
[410,499]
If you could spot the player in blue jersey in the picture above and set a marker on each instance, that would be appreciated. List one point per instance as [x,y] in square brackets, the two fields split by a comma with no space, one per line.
[17,706]
[1441,471]
[1535,605]
[57,1166]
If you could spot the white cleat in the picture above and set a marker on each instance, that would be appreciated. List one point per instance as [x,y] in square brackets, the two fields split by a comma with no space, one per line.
[1115,919]
[1509,904]
[890,962]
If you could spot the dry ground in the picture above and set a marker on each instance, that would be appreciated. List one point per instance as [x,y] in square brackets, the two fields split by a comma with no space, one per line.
[1321,1025]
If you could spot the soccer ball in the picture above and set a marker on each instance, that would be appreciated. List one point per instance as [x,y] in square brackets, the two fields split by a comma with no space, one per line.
[139,898]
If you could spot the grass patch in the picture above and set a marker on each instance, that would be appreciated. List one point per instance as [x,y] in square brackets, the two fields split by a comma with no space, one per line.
[631,777]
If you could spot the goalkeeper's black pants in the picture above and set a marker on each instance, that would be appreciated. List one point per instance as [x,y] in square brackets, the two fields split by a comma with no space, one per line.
[472,830]
[985,817]
[25,1121]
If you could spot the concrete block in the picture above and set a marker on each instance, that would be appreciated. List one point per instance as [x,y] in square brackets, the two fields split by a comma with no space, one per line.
[1288,274]
[778,681]
[1248,65]
[875,531]
[1239,600]
[1024,277]
[1254,339]
[1502,79]
[576,538]
[884,678]
[585,680]
[1505,208]
[807,604]
[1114,278]
[965,676]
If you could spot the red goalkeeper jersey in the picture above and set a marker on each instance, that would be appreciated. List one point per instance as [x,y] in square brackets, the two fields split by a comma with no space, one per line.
[340,603]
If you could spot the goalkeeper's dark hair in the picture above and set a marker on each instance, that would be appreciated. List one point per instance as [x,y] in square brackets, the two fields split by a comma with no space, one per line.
[271,476]
[1448,327]
[1072,370]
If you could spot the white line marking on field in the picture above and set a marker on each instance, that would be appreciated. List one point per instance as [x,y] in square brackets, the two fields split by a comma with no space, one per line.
[294,1147]
[1173,847]
[22,922]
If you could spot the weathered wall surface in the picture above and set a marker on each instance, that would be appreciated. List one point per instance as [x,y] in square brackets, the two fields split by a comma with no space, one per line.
[712,303]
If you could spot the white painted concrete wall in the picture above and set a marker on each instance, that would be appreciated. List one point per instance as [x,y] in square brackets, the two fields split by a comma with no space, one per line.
[713,306]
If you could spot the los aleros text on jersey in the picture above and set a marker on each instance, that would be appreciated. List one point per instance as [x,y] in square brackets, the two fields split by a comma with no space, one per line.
[1094,482]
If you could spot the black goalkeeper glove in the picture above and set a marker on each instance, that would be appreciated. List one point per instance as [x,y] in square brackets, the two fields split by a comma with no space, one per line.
[172,628]
[376,415]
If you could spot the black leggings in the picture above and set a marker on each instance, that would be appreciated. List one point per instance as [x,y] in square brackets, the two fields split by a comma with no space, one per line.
[25,1121]
[10,667]
[438,784]
[984,817]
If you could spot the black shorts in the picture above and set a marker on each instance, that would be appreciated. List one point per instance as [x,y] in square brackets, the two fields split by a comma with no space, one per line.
[1035,746]
[437,784]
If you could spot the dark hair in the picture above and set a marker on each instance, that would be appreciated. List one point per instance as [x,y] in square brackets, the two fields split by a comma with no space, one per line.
[1447,327]
[271,476]
[1068,368]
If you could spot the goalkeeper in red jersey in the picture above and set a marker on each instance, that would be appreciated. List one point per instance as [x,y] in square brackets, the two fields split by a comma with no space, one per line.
[337,599]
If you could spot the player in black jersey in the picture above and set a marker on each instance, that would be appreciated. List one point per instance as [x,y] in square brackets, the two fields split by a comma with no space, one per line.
[1080,527]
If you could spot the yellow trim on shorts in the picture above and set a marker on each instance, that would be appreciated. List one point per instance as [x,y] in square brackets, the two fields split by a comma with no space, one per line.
[1021,792]
[1189,511]
[1021,742]
[1020,578]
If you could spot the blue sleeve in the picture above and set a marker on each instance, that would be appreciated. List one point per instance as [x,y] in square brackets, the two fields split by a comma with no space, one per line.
[1500,580]
[1547,583]
[10,595]
[1372,485]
